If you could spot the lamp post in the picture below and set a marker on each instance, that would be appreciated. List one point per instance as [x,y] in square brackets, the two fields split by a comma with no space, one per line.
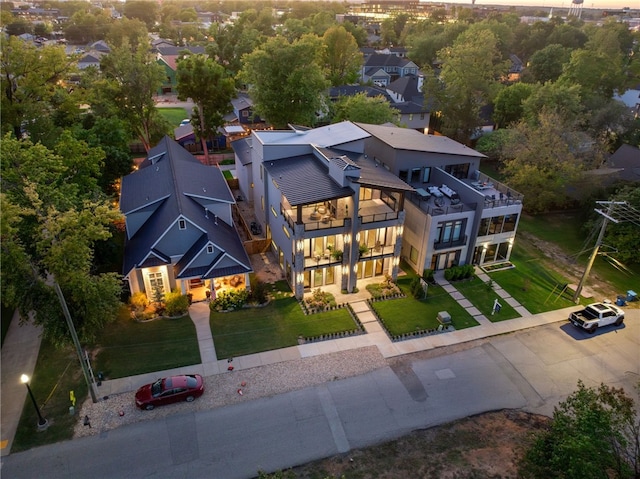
[42,422]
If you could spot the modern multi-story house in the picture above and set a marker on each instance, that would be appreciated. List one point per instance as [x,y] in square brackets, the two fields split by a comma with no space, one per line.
[332,214]
[347,201]
[180,232]
[456,215]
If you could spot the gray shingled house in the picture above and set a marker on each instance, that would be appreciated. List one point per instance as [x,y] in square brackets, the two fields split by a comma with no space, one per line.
[179,226]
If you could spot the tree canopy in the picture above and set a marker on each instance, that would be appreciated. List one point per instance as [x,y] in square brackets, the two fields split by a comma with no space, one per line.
[286,80]
[53,215]
[363,109]
[342,57]
[211,89]
[594,434]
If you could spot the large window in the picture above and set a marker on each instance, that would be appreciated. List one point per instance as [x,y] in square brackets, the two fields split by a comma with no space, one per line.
[497,224]
[156,283]
[449,233]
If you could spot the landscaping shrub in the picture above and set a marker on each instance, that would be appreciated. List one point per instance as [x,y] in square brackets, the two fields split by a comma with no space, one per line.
[258,292]
[459,272]
[321,300]
[229,300]
[176,303]
[139,302]
[416,288]
[427,275]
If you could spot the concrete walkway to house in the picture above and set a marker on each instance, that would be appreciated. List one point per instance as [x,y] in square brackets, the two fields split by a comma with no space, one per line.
[21,346]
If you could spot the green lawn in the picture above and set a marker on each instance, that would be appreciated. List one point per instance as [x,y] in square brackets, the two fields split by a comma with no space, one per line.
[278,325]
[174,115]
[127,347]
[531,283]
[482,297]
[57,372]
[565,230]
[405,315]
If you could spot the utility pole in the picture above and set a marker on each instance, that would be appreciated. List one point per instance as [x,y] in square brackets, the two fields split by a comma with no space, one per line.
[629,213]
[76,341]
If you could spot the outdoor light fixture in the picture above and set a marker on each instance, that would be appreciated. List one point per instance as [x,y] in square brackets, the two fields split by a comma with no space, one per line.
[399,230]
[300,245]
[347,238]
[42,422]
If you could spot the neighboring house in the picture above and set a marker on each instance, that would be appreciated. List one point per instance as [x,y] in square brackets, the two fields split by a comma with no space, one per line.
[515,69]
[186,137]
[319,197]
[179,227]
[89,60]
[457,215]
[243,110]
[395,191]
[167,56]
[404,94]
[622,166]
[381,69]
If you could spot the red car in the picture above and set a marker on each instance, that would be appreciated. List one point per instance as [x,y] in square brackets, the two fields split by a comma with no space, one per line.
[169,390]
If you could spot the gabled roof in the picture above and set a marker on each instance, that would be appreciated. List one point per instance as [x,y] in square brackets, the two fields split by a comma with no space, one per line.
[170,185]
[407,86]
[241,102]
[242,149]
[626,156]
[382,60]
[408,139]
[171,50]
[352,90]
[370,173]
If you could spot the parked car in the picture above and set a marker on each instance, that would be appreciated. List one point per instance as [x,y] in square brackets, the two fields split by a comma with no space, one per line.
[185,387]
[596,315]
[186,121]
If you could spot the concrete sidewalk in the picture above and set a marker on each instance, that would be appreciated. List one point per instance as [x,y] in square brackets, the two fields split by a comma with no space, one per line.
[21,346]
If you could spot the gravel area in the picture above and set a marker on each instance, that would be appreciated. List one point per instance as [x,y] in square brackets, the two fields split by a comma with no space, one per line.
[222,389]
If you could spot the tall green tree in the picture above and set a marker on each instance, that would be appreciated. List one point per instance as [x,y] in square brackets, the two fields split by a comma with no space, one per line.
[30,78]
[211,89]
[363,109]
[130,79]
[342,57]
[547,64]
[624,237]
[53,215]
[469,79]
[144,10]
[508,105]
[541,163]
[594,434]
[286,80]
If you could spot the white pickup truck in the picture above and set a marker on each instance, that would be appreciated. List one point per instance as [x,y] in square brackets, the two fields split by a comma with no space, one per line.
[596,315]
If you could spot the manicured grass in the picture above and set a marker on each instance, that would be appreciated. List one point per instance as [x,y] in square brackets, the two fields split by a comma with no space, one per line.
[405,315]
[57,372]
[127,347]
[277,325]
[482,296]
[174,115]
[227,174]
[531,283]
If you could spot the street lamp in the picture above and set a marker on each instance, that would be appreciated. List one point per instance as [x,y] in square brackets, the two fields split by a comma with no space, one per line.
[42,422]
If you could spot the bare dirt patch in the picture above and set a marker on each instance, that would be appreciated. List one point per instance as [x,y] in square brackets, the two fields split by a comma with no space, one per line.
[487,446]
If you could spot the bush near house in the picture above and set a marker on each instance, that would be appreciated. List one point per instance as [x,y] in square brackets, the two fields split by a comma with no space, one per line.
[456,273]
[176,303]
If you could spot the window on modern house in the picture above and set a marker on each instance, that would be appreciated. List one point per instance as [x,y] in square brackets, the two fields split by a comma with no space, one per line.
[509,223]
[209,249]
[245,113]
[416,173]
[496,225]
[426,174]
[404,175]
[484,227]
[261,171]
[366,194]
[413,255]
[182,224]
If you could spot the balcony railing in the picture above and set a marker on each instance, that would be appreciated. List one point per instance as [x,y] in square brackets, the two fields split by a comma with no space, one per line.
[438,245]
[392,215]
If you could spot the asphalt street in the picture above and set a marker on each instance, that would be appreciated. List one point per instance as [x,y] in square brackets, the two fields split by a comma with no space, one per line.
[531,370]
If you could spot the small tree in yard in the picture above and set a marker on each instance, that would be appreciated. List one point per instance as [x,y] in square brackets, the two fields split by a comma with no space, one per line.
[594,433]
